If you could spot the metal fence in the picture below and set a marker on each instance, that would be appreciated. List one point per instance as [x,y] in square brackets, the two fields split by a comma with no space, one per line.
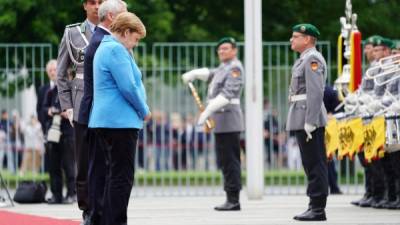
[174,156]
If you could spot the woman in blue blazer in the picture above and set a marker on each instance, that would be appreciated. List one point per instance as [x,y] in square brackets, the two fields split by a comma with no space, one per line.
[119,110]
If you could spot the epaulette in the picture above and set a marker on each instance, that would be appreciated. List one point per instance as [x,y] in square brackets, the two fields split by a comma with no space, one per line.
[73,25]
[236,63]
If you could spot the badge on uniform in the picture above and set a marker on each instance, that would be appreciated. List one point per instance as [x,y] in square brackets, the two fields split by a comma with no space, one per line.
[235,73]
[314,66]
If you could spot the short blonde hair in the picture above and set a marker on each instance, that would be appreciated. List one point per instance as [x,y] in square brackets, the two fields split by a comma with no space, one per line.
[128,21]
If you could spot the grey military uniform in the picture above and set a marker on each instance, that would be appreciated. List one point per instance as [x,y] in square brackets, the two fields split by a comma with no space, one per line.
[367,86]
[393,87]
[379,90]
[308,78]
[227,80]
[71,54]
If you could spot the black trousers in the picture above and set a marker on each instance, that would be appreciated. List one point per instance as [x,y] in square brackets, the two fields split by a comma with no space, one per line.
[313,156]
[97,175]
[82,154]
[367,174]
[395,160]
[228,159]
[332,177]
[390,177]
[120,146]
[61,157]
[378,180]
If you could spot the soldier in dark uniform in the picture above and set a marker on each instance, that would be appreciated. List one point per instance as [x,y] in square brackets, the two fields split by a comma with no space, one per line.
[71,54]
[307,117]
[225,86]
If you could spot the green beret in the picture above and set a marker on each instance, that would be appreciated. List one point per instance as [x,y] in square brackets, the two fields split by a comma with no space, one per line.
[227,40]
[372,39]
[396,45]
[384,42]
[306,28]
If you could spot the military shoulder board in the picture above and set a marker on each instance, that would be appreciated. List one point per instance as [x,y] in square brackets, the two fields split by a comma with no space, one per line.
[73,25]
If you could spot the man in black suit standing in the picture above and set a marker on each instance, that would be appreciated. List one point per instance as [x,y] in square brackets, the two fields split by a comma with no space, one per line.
[97,165]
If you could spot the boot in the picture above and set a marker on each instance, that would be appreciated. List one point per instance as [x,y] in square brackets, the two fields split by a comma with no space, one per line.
[393,204]
[366,202]
[315,211]
[232,202]
[315,214]
[363,199]
[379,204]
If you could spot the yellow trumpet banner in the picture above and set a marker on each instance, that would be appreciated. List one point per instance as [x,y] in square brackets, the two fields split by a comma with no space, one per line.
[351,138]
[331,137]
[374,139]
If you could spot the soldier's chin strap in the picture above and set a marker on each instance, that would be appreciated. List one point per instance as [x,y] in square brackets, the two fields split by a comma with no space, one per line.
[214,105]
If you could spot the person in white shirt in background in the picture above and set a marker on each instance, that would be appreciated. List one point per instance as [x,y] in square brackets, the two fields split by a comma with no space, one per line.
[34,146]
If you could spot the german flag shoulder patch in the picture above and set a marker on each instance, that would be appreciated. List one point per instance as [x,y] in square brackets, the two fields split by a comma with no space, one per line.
[235,73]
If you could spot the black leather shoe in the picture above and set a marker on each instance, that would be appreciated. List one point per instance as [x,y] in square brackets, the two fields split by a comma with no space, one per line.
[228,206]
[53,200]
[312,215]
[355,202]
[336,192]
[392,204]
[87,218]
[69,199]
[367,202]
[379,204]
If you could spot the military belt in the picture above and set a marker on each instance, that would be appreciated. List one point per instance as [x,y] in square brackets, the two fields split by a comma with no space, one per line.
[296,98]
[79,76]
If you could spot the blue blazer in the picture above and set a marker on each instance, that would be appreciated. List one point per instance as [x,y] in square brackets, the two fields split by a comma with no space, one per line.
[119,99]
[87,99]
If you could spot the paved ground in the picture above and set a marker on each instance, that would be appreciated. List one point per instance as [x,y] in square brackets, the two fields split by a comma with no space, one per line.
[273,209]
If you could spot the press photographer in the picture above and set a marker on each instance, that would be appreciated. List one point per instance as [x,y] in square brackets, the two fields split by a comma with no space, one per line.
[60,146]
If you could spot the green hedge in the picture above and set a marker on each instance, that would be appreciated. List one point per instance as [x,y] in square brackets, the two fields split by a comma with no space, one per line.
[195,178]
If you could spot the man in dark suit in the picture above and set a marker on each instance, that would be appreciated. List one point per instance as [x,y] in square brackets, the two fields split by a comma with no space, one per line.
[60,148]
[44,119]
[97,164]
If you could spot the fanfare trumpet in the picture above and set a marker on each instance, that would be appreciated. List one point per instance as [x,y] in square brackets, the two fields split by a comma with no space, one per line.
[385,66]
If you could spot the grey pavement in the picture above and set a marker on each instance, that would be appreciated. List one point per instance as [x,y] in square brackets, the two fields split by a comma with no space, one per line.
[272,209]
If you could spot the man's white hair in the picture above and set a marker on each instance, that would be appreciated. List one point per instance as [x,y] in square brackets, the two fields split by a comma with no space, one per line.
[50,63]
[110,6]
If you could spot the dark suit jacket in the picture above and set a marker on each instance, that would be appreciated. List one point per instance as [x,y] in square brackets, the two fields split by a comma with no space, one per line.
[42,117]
[87,99]
[52,100]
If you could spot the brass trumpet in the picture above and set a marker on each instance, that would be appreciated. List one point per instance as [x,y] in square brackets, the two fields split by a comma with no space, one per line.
[385,66]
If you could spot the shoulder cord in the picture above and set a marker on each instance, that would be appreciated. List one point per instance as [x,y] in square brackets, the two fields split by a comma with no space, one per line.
[69,43]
